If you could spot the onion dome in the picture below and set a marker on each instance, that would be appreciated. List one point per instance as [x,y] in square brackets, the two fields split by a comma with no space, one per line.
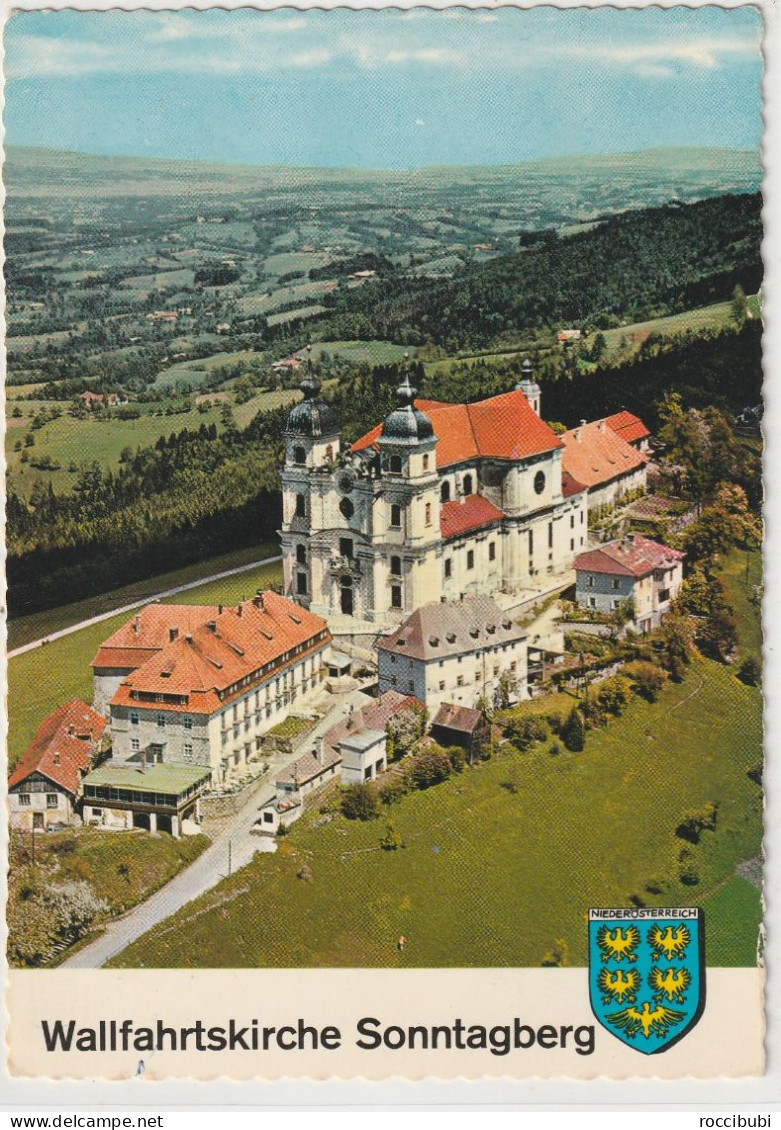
[311,417]
[406,423]
[527,384]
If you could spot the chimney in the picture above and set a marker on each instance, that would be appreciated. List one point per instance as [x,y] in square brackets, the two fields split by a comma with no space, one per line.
[238,610]
[317,750]
[136,624]
[56,757]
[173,634]
[258,601]
[189,638]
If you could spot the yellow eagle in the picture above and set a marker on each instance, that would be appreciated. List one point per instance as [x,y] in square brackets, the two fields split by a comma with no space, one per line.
[620,985]
[650,1022]
[619,943]
[670,983]
[668,943]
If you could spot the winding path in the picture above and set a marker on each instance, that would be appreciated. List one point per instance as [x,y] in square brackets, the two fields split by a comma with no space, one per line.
[139,603]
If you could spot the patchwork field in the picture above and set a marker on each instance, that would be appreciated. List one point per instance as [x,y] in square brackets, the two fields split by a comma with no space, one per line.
[489,876]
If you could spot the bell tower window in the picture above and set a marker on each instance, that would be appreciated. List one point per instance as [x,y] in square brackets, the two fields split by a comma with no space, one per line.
[300,506]
[395,596]
[301,584]
[395,464]
[425,462]
[444,491]
[299,455]
[301,554]
[395,566]
[395,516]
[468,485]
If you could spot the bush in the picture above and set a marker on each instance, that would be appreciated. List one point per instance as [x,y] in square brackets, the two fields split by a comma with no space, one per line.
[391,841]
[573,732]
[360,802]
[523,732]
[429,768]
[74,906]
[555,749]
[750,671]
[393,789]
[700,820]
[648,679]
[457,758]
[613,694]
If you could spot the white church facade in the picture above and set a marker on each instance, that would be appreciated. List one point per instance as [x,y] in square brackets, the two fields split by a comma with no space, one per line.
[437,502]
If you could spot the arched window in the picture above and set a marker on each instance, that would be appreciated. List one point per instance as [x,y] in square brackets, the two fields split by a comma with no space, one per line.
[468,487]
[395,464]
[425,462]
[299,455]
[395,566]
[300,506]
[539,482]
[444,491]
[346,508]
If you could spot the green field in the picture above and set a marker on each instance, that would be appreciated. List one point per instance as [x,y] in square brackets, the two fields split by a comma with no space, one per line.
[715,317]
[264,402]
[41,679]
[290,315]
[68,440]
[195,373]
[740,572]
[493,877]
[372,352]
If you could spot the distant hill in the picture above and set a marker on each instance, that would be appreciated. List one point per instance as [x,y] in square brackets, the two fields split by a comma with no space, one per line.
[632,176]
[633,266]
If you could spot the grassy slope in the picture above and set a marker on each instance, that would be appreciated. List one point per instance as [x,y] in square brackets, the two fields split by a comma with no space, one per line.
[488,877]
[41,679]
[69,440]
[739,583]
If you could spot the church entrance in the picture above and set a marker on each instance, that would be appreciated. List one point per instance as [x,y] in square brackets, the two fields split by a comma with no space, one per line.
[346,601]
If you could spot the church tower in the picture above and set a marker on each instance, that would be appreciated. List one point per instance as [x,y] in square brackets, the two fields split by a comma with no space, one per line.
[406,566]
[311,449]
[529,387]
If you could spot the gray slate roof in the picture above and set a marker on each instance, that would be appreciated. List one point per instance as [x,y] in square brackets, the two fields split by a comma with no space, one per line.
[439,630]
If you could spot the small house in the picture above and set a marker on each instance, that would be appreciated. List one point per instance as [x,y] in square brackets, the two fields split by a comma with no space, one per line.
[364,756]
[461,726]
[633,568]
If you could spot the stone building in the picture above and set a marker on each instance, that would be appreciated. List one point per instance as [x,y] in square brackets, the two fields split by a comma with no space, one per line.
[207,697]
[455,652]
[45,784]
[439,500]
[599,460]
[633,568]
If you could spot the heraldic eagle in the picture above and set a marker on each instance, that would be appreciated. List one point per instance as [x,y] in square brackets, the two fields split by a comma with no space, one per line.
[657,1022]
[670,983]
[618,944]
[621,985]
[669,943]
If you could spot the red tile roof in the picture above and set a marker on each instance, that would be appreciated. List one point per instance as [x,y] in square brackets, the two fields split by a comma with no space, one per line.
[148,632]
[374,716]
[502,427]
[628,426]
[471,514]
[594,454]
[632,556]
[64,743]
[204,666]
[570,486]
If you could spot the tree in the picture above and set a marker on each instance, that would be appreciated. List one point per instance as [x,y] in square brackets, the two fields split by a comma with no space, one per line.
[676,639]
[647,678]
[74,907]
[750,671]
[391,841]
[506,690]
[524,731]
[429,768]
[404,729]
[360,801]
[573,732]
[718,635]
[739,305]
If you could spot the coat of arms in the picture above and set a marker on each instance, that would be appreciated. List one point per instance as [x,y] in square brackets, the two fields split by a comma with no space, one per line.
[647,974]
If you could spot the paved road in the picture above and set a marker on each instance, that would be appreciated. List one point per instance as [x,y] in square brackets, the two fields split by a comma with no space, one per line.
[203,874]
[211,866]
[139,603]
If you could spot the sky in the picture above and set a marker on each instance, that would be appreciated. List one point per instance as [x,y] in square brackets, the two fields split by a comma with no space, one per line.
[383,89]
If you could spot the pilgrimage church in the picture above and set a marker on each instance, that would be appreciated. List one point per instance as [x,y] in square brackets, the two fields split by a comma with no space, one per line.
[437,502]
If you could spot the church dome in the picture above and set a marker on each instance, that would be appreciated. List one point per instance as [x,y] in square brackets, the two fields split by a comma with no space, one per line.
[311,417]
[406,423]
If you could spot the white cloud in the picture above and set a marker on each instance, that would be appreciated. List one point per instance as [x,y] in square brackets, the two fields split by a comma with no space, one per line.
[655,60]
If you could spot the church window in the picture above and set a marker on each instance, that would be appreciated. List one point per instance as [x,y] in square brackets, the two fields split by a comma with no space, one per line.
[395,596]
[395,515]
[448,567]
[299,456]
[531,541]
[395,566]
[428,513]
[444,491]
[492,551]
[571,544]
[572,521]
[539,482]
[425,462]
[395,464]
[301,554]
[468,486]
[301,584]
[300,506]
[470,559]
[346,508]
[550,535]
[346,548]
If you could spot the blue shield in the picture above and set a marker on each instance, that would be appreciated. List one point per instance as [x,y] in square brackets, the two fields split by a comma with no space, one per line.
[647,973]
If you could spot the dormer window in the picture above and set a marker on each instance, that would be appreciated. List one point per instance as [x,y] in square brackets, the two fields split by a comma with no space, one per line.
[451,637]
